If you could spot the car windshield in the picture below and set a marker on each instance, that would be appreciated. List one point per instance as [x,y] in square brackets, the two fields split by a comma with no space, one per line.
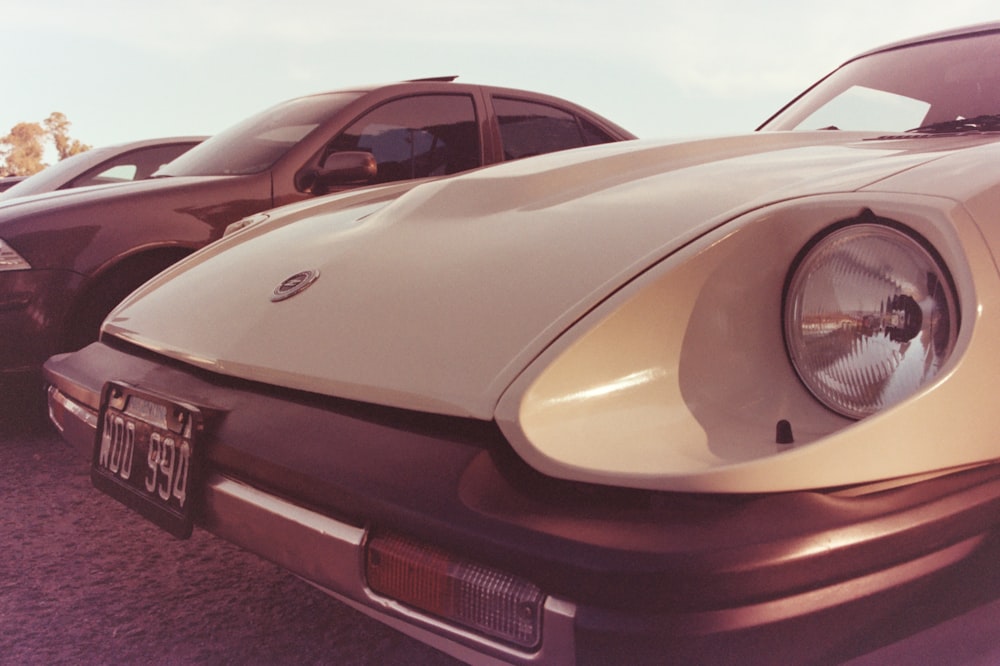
[950,85]
[52,177]
[259,141]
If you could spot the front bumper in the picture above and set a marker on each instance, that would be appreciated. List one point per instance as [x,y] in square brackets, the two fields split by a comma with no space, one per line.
[629,574]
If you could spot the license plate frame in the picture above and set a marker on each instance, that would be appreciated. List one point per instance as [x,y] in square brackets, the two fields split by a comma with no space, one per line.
[148,455]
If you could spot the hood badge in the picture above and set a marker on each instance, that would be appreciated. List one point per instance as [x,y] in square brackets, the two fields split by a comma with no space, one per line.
[293,285]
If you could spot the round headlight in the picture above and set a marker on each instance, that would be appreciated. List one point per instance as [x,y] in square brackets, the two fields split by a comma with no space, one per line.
[870,316]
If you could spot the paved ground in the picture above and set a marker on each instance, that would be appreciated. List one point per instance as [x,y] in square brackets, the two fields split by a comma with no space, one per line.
[82,581]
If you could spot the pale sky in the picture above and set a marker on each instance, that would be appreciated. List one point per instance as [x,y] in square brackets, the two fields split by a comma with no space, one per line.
[122,70]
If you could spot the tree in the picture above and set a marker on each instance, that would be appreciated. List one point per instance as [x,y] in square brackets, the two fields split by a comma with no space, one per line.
[23,150]
[58,128]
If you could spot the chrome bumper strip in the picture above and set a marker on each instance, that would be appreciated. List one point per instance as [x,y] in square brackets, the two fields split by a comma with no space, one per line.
[329,554]
[75,422]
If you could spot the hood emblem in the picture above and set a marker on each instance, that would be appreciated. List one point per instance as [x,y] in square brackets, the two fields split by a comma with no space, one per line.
[294,284]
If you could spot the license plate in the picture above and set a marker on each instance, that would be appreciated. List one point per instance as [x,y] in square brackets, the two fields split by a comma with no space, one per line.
[147,455]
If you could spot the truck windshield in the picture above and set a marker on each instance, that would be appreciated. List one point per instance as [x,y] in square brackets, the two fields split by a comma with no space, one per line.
[256,143]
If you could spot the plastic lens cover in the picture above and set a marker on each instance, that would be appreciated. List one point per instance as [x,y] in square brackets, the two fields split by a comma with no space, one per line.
[870,317]
[10,260]
[479,597]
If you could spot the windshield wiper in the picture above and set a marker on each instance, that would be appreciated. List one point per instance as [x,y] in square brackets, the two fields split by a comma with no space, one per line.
[985,123]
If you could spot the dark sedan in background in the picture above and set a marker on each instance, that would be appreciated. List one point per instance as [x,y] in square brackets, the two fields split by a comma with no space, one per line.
[8,182]
[105,165]
[68,257]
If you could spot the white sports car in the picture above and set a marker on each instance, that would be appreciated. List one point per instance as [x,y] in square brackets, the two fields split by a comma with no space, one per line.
[729,398]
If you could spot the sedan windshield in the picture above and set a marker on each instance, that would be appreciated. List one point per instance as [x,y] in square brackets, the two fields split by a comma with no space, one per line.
[926,86]
[255,144]
[50,178]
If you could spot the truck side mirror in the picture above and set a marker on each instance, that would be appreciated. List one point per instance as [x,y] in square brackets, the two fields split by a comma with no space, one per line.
[349,167]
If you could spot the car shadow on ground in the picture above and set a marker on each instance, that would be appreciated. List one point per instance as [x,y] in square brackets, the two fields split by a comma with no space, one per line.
[23,410]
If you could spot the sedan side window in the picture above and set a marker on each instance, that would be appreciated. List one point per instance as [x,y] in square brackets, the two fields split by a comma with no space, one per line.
[531,128]
[416,137]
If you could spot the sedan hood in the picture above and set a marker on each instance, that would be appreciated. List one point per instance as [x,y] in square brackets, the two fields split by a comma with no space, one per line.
[438,299]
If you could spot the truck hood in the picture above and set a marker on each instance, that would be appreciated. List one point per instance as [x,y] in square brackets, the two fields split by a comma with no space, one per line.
[85,229]
[437,298]
[83,201]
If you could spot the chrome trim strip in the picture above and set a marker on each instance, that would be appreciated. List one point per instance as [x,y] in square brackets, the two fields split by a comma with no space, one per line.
[56,398]
[88,417]
[558,642]
[329,554]
[75,422]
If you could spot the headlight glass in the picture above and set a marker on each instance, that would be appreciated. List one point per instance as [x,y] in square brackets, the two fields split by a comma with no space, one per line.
[870,316]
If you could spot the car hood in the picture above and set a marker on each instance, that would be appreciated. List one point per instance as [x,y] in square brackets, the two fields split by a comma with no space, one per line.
[437,300]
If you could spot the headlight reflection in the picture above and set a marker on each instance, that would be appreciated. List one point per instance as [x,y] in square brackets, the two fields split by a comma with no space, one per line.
[869,318]
[619,385]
